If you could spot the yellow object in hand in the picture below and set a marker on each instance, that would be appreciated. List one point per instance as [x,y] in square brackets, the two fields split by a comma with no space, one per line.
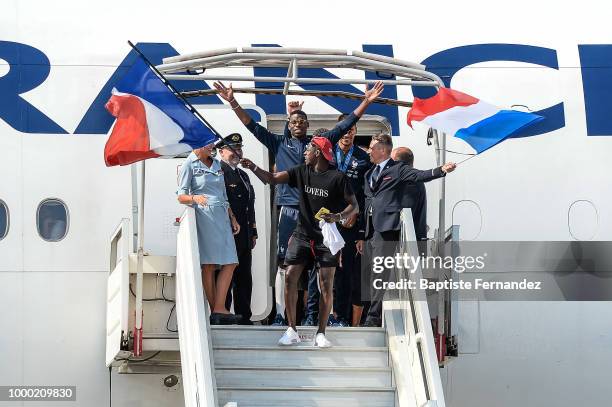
[322,211]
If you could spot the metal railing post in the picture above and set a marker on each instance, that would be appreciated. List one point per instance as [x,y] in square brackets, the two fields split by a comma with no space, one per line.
[139,268]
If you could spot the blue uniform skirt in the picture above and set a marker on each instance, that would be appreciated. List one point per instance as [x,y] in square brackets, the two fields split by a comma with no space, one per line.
[215,238]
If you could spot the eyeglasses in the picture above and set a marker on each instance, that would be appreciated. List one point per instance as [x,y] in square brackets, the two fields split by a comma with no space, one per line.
[297,122]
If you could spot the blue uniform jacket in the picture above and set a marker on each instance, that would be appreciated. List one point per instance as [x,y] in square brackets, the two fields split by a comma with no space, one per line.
[289,152]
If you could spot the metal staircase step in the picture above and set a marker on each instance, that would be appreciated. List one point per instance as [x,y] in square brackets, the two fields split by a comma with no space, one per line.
[303,376]
[291,356]
[307,396]
[268,335]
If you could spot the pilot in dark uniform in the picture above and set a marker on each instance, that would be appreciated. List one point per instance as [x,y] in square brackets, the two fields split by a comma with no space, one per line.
[241,197]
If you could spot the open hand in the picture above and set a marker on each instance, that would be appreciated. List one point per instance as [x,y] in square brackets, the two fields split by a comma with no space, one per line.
[372,94]
[200,199]
[293,106]
[227,93]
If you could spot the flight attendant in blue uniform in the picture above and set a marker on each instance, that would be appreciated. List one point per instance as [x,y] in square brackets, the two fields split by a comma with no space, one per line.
[202,186]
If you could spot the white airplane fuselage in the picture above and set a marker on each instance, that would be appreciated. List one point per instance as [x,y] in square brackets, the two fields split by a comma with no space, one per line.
[58,61]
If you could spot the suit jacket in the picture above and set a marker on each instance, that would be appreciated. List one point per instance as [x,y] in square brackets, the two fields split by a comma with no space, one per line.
[241,197]
[414,196]
[385,199]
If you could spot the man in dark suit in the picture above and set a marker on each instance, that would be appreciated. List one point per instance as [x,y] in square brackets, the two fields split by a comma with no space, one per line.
[414,196]
[384,185]
[241,197]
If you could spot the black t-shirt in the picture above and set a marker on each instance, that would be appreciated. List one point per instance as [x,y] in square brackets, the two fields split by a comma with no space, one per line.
[317,190]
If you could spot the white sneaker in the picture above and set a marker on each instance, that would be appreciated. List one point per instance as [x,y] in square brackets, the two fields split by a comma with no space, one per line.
[321,341]
[290,337]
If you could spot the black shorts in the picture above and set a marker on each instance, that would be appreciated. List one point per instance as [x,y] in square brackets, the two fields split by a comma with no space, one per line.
[287,220]
[302,250]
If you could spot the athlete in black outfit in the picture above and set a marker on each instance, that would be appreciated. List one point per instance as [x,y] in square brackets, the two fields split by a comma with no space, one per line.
[319,187]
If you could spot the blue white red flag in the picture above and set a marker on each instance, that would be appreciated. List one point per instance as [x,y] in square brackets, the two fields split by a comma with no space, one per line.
[480,124]
[151,120]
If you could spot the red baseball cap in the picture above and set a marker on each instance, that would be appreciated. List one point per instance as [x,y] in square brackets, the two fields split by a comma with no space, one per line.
[325,146]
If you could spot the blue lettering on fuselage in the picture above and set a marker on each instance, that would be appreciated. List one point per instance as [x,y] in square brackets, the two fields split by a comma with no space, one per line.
[596,69]
[98,121]
[29,67]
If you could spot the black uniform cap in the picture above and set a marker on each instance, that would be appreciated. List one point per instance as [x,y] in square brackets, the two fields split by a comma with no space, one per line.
[233,140]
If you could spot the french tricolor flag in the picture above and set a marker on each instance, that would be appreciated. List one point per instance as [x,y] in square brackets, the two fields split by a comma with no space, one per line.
[151,120]
[480,124]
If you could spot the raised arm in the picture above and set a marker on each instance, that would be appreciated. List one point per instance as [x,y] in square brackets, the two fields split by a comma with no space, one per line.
[268,139]
[413,175]
[227,94]
[291,107]
[370,95]
[265,176]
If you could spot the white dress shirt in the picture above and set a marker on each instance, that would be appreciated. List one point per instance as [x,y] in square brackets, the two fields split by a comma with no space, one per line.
[382,166]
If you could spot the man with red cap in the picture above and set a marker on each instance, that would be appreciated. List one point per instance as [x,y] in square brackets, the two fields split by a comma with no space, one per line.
[326,192]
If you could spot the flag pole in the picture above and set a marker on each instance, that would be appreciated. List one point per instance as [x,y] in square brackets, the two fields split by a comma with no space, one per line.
[469,158]
[139,268]
[176,92]
[180,96]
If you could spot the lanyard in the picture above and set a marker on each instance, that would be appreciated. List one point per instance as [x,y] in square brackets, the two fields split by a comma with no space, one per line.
[342,166]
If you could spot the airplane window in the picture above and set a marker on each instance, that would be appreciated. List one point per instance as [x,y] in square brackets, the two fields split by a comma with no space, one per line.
[52,220]
[4,220]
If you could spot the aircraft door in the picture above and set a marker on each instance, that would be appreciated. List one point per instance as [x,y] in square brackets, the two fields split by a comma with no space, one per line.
[162,208]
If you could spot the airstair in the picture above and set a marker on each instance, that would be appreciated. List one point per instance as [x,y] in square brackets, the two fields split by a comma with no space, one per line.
[243,366]
[252,370]
[397,365]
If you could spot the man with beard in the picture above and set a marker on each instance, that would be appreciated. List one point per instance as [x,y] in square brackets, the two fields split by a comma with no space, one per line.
[241,198]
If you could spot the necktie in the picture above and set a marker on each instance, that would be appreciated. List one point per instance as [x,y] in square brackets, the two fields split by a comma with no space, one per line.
[237,171]
[375,174]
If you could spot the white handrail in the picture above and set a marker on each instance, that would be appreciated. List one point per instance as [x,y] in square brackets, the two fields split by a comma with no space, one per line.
[408,326]
[195,337]
[117,295]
